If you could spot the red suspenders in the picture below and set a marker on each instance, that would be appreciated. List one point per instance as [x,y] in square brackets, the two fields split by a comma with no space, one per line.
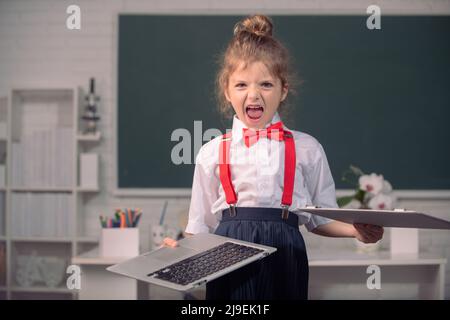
[289,172]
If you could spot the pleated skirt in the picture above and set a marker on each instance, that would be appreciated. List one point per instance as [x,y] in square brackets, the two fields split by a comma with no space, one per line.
[282,275]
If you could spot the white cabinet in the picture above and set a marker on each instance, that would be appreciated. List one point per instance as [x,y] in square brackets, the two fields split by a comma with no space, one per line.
[99,284]
[344,275]
[41,202]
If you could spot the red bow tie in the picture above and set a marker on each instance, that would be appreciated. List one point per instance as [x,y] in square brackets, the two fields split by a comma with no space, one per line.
[274,132]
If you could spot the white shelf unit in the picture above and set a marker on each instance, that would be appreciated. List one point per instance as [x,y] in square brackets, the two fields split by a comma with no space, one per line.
[87,230]
[41,216]
[89,137]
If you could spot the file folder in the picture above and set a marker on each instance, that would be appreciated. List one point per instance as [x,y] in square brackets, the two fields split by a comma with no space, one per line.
[398,218]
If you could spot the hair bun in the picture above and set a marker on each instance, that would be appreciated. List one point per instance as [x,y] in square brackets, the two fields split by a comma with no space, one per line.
[258,24]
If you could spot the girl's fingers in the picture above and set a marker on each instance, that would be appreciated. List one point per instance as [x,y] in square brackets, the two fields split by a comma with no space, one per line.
[369,233]
[367,239]
[365,232]
[369,229]
[169,242]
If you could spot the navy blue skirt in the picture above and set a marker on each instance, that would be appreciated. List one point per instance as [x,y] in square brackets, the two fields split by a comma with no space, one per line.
[282,275]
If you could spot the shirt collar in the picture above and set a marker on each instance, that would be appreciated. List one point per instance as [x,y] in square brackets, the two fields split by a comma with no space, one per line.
[238,126]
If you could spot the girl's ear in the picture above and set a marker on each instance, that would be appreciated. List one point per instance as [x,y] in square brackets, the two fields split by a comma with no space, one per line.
[226,95]
[284,92]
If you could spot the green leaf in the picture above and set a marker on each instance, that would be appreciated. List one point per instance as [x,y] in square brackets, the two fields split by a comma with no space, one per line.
[343,201]
[360,195]
[349,177]
[356,171]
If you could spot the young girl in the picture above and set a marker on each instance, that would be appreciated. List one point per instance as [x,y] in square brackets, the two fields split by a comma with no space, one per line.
[250,184]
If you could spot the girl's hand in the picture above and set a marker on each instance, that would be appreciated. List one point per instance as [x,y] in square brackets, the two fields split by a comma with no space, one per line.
[368,233]
[172,243]
[169,242]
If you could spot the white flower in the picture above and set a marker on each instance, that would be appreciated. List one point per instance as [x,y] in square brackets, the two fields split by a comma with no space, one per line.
[381,202]
[372,184]
[387,187]
[354,204]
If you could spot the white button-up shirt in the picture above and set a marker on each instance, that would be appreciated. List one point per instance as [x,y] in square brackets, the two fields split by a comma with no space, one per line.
[257,175]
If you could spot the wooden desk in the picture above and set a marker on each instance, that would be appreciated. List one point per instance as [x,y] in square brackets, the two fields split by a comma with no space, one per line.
[332,275]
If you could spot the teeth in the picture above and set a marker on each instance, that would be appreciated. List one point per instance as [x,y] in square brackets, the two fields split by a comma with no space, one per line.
[254,107]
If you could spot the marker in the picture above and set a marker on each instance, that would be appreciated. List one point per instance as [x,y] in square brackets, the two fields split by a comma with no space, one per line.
[136,221]
[163,213]
[122,220]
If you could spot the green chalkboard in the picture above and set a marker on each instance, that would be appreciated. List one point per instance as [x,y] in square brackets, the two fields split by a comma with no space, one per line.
[378,99]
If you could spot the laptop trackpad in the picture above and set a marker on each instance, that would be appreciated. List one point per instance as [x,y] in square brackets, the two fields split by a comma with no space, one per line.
[172,254]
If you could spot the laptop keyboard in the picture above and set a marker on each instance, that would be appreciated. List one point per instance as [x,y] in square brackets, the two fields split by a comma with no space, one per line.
[205,263]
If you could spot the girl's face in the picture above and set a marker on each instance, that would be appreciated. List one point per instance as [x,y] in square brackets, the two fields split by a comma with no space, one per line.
[255,94]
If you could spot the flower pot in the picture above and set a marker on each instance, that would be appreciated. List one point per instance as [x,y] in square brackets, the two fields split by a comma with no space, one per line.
[362,247]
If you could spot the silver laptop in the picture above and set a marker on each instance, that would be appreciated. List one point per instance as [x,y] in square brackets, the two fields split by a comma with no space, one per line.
[197,260]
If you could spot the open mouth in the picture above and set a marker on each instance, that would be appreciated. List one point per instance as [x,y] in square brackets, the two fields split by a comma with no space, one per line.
[254,112]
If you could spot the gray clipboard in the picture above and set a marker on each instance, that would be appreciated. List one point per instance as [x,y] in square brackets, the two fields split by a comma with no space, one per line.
[398,218]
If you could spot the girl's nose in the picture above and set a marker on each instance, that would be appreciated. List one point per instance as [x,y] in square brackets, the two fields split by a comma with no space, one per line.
[253,93]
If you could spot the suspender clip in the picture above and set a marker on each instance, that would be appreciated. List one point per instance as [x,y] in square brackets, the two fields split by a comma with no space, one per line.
[284,211]
[232,210]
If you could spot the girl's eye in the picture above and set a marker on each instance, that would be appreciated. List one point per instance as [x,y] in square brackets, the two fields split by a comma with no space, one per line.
[267,85]
[240,85]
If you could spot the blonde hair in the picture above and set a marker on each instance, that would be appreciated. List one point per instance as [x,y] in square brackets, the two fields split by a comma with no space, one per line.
[253,41]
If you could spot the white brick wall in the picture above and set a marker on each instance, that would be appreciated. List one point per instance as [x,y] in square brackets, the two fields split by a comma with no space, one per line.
[36,49]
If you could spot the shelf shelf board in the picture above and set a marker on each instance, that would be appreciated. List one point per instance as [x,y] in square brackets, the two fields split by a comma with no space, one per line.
[41,239]
[41,189]
[87,240]
[85,189]
[41,289]
[89,137]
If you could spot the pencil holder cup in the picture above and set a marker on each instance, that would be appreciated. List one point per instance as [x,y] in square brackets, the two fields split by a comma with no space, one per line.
[119,242]
[362,247]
